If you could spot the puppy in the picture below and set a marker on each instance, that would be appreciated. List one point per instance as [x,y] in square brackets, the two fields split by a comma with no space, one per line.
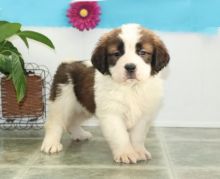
[121,87]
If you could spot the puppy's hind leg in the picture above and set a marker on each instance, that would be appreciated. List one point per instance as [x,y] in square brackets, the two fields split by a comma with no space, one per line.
[60,111]
[53,129]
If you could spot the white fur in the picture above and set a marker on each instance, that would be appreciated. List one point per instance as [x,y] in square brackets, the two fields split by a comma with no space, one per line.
[88,63]
[130,34]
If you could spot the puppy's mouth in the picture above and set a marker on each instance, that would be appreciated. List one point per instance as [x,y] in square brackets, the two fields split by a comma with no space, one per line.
[130,77]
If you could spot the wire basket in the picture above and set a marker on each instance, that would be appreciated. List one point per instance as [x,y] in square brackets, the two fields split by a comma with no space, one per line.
[32,111]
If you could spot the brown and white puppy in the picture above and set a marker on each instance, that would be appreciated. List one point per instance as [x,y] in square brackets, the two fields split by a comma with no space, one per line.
[121,87]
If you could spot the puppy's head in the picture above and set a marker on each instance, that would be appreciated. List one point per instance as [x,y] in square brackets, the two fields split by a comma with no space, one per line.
[130,53]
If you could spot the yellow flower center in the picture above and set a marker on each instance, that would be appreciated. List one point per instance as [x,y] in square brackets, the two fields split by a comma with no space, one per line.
[83,12]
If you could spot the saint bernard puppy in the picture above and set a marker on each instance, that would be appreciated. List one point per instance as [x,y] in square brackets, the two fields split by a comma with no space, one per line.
[121,87]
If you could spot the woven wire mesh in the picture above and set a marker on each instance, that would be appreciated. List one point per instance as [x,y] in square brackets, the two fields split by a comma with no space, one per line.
[36,116]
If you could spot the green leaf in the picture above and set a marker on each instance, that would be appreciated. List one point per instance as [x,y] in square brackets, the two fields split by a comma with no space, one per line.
[7,48]
[18,77]
[5,65]
[3,22]
[24,39]
[13,65]
[8,29]
[37,36]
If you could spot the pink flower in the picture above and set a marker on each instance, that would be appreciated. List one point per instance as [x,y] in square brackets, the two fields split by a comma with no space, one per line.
[84,15]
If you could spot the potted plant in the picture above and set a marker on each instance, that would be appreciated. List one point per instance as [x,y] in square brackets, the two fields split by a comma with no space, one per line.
[21,91]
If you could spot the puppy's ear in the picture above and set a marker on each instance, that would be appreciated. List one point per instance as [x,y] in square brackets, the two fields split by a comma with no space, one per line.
[99,58]
[160,57]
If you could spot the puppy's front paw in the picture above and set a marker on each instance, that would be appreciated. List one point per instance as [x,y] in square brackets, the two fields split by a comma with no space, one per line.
[51,147]
[126,156]
[143,153]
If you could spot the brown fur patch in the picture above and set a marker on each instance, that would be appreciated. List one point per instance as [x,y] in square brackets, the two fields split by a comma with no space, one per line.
[104,54]
[158,54]
[83,83]
[60,77]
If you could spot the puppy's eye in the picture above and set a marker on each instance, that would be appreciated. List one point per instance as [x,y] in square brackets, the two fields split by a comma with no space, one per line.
[142,52]
[116,54]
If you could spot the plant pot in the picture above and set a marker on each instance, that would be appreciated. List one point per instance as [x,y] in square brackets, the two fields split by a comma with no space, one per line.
[31,106]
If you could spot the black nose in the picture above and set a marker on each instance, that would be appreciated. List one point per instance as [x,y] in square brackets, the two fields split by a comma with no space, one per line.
[130,67]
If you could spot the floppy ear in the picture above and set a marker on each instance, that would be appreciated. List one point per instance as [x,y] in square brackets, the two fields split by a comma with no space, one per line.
[160,57]
[99,59]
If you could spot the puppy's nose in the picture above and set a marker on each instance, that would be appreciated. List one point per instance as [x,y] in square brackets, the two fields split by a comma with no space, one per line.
[130,67]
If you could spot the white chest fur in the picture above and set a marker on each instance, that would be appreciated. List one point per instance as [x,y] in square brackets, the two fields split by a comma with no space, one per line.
[129,101]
